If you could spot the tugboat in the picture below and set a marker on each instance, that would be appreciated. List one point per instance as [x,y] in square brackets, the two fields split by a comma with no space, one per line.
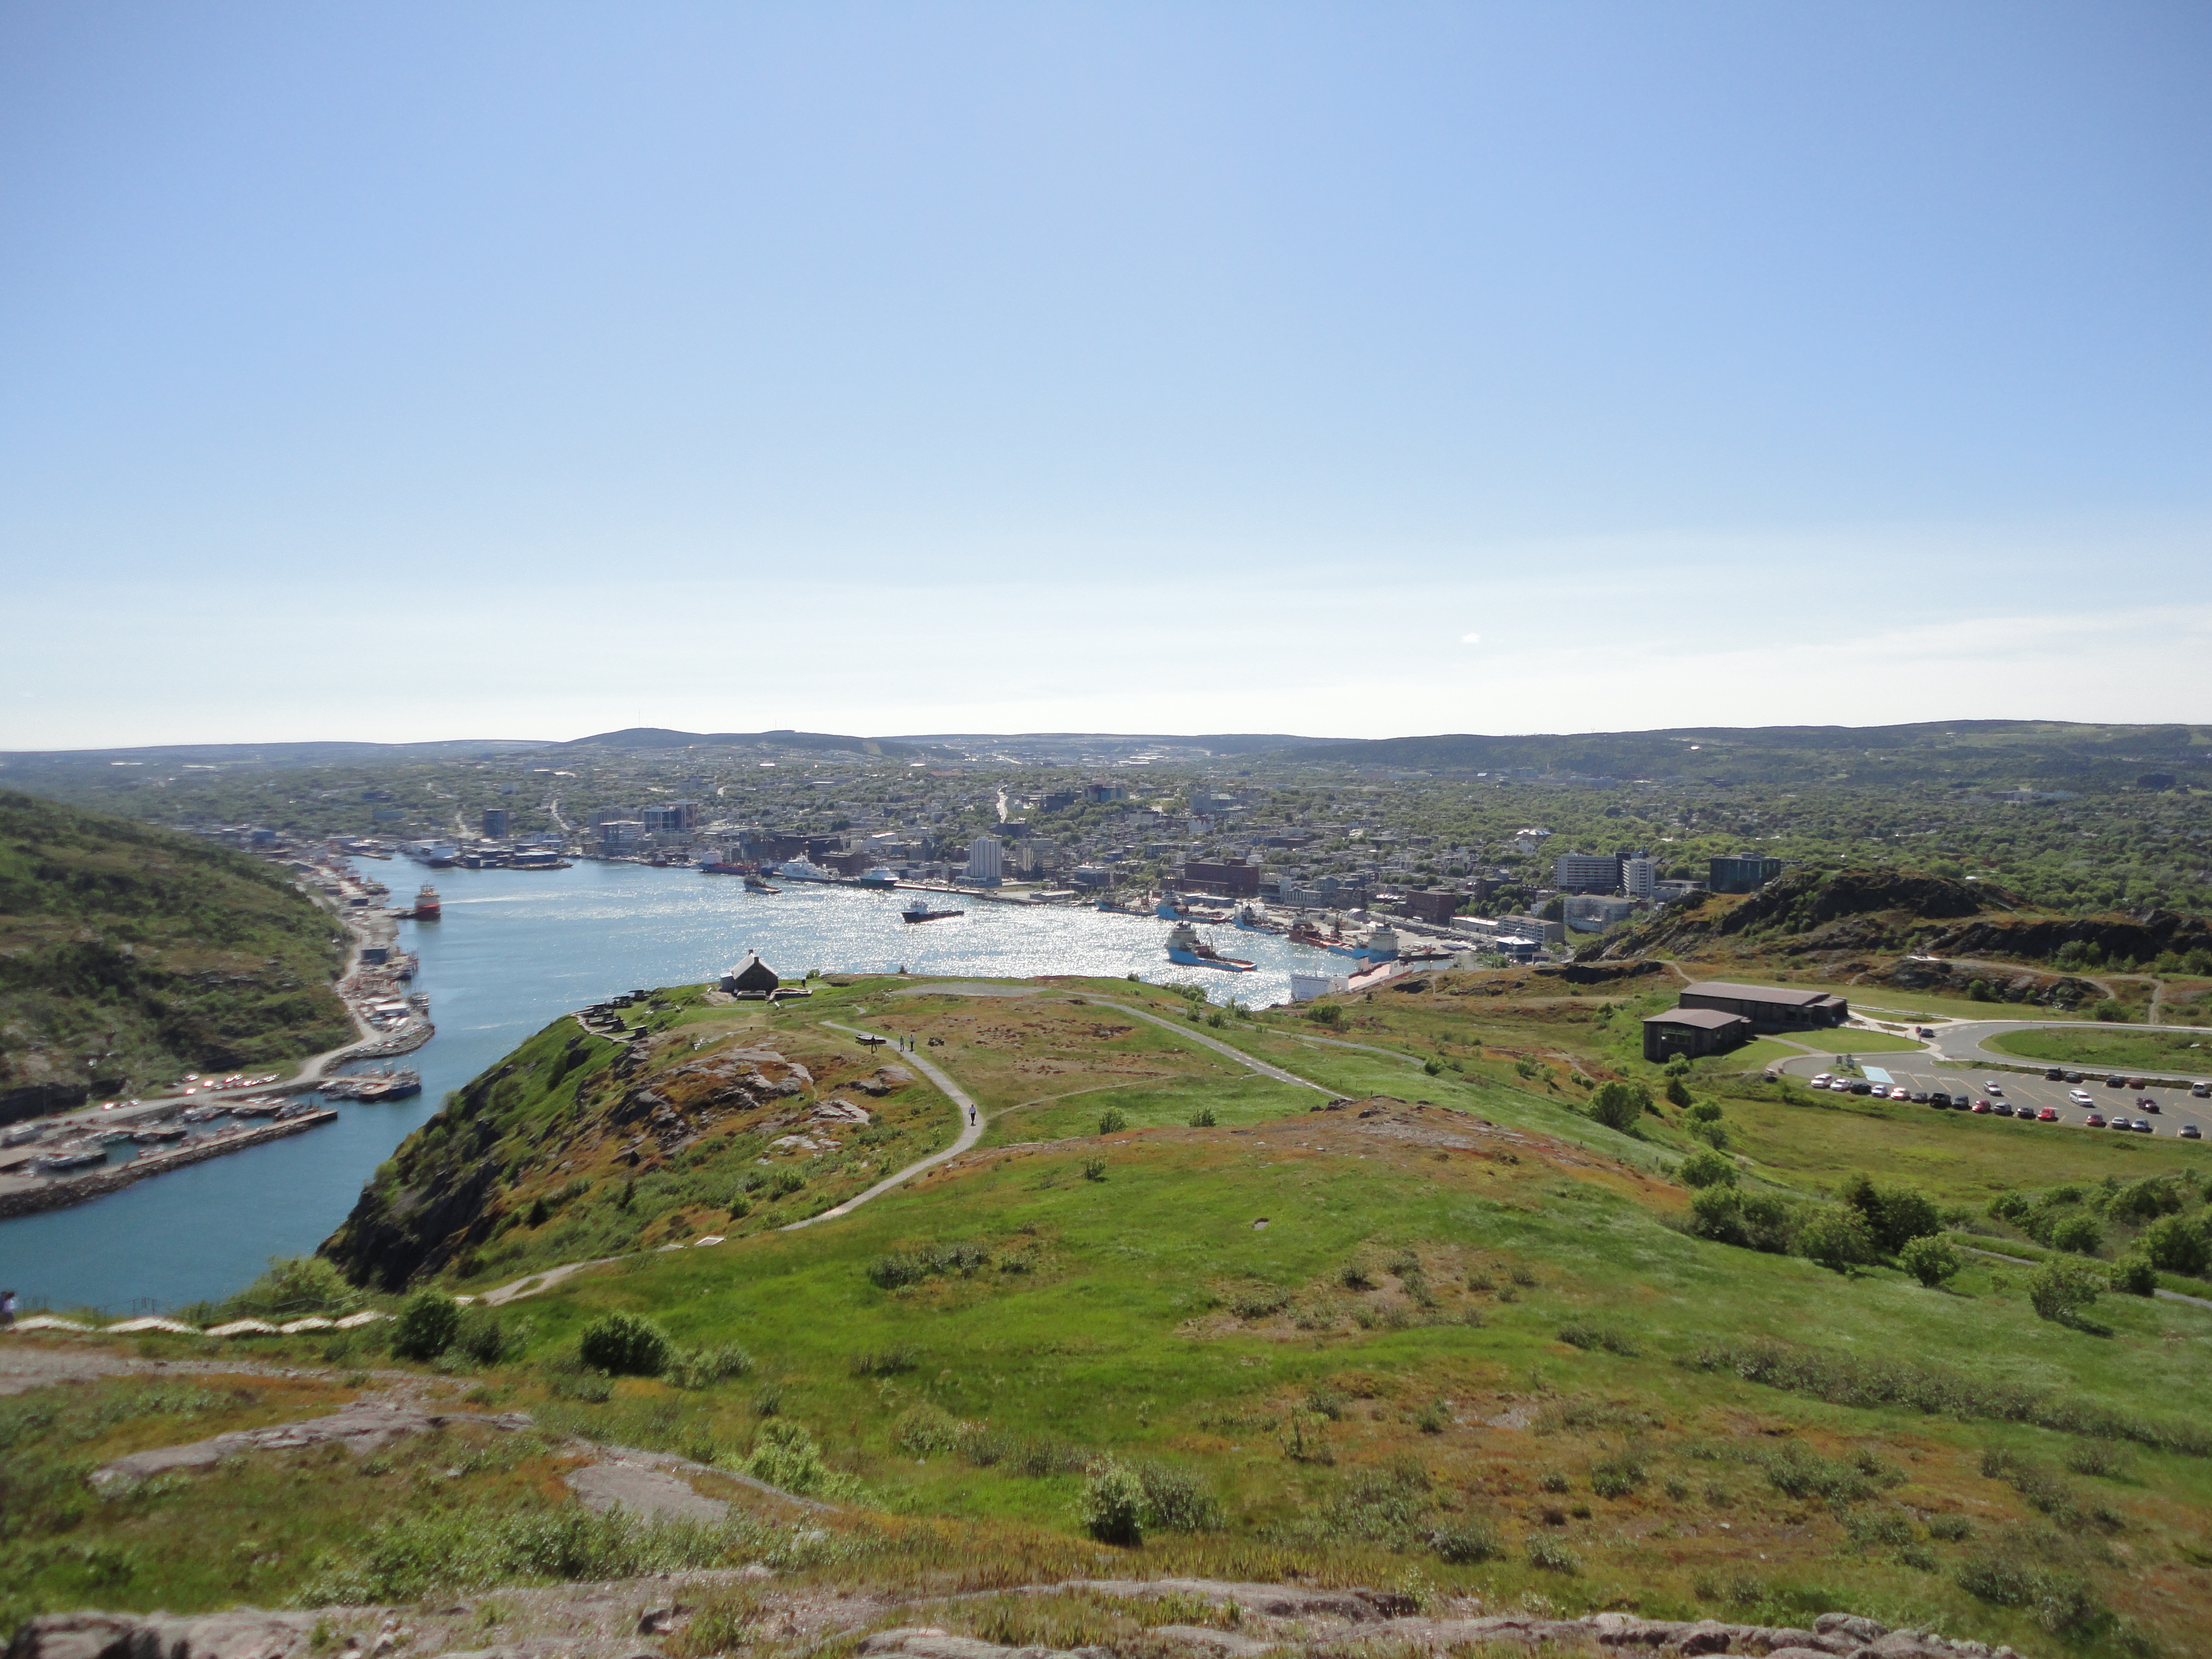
[754,885]
[1304,933]
[1188,949]
[426,906]
[918,909]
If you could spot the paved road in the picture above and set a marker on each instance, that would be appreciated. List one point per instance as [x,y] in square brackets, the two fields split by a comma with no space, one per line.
[1968,1041]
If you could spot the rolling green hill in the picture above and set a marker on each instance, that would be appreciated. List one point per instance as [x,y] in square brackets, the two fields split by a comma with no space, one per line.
[129,954]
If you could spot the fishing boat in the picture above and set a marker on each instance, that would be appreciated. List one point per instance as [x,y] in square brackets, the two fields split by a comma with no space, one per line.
[1251,919]
[159,1134]
[1304,933]
[754,885]
[63,1163]
[918,909]
[254,1108]
[1187,950]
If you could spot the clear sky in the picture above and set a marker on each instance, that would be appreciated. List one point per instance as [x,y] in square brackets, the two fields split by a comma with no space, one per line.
[403,371]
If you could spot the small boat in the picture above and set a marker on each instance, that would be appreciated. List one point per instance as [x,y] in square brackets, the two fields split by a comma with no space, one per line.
[1188,949]
[754,885]
[918,911]
[254,1108]
[160,1135]
[63,1163]
[202,1113]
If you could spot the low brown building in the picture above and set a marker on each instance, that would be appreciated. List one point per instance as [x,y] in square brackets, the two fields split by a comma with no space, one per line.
[1694,1032]
[1770,1007]
[1227,880]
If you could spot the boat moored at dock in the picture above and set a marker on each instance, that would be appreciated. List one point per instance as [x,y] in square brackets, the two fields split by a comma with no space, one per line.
[1186,949]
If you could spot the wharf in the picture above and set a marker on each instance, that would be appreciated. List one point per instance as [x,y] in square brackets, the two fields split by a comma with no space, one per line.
[27,1195]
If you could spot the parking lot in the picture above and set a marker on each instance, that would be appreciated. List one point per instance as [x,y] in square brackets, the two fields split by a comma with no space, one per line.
[2174,1107]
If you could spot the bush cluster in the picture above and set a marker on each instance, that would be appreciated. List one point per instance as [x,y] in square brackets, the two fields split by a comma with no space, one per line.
[899,1268]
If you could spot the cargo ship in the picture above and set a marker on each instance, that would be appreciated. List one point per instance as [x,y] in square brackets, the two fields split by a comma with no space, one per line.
[918,910]
[1188,949]
[726,869]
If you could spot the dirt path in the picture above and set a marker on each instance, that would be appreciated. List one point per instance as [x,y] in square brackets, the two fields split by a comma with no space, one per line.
[971,1132]
[1182,1028]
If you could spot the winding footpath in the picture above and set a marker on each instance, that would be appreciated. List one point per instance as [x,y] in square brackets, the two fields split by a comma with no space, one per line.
[971,1131]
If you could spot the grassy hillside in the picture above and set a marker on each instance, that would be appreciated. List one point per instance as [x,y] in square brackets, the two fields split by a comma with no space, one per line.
[1430,1324]
[129,954]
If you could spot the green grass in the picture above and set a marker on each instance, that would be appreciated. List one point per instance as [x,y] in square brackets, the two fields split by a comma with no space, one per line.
[129,955]
[1846,1041]
[2107,1048]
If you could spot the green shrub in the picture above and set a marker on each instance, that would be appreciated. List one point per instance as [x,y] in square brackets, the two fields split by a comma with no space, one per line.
[1705,1113]
[2060,1290]
[884,1362]
[702,1368]
[1433,1418]
[782,1182]
[2077,1235]
[1203,1118]
[1619,1105]
[1837,1239]
[1678,1093]
[623,1344]
[1464,1543]
[1551,1555]
[2134,1275]
[1325,1013]
[786,1456]
[2178,1245]
[1113,1120]
[1386,1505]
[1094,1169]
[928,1430]
[1951,1529]
[1930,1260]
[1588,1337]
[1111,1505]
[427,1325]
[1894,1216]
[481,1336]
[1706,1168]
[1175,1500]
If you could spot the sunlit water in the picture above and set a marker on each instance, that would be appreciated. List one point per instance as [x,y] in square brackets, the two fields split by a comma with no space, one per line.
[514,949]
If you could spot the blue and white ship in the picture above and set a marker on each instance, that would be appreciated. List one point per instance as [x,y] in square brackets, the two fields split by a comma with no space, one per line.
[1187,950]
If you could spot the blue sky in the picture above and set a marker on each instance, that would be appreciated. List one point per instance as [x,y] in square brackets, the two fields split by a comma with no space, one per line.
[408,371]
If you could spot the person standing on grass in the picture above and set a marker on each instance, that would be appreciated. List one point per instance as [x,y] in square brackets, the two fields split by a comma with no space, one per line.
[7,1309]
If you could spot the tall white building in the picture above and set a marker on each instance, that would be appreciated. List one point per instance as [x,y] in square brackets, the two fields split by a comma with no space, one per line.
[983,859]
[1637,876]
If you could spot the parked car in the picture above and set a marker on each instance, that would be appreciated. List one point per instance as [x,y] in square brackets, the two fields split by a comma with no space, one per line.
[2201,1090]
[2056,1074]
[1862,1087]
[1822,1079]
[2074,1077]
[2048,1115]
[1990,1087]
[2190,1132]
[1920,1096]
[2096,1120]
[2081,1098]
[2147,1104]
[2144,1127]
[1939,1100]
[1981,1105]
[2004,1108]
[2116,1081]
[2137,1083]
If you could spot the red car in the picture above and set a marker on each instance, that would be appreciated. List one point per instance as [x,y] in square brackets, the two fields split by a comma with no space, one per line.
[2048,1115]
[2096,1120]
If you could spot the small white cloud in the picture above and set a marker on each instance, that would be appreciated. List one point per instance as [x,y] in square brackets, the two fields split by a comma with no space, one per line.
[1470,639]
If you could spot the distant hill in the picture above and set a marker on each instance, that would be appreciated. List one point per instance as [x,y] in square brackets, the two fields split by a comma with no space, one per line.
[130,955]
[660,737]
[2011,752]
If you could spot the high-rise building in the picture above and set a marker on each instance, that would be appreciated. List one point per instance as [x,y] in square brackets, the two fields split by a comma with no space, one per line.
[983,860]
[1746,872]
[1637,873]
[495,821]
[1581,872]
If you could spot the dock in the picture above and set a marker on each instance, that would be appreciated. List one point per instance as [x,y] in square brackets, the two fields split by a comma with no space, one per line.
[28,1195]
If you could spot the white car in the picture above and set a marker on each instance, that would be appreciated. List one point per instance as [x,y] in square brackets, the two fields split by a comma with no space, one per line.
[2081,1098]
[1995,1089]
[1822,1079]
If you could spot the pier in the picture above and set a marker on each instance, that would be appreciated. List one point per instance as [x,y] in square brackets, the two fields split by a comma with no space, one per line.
[23,1196]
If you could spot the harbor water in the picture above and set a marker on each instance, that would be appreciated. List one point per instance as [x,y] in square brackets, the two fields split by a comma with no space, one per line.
[514,949]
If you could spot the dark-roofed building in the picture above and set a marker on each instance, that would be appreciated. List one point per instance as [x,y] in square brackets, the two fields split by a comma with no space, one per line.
[751,977]
[1693,1031]
[1770,1007]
